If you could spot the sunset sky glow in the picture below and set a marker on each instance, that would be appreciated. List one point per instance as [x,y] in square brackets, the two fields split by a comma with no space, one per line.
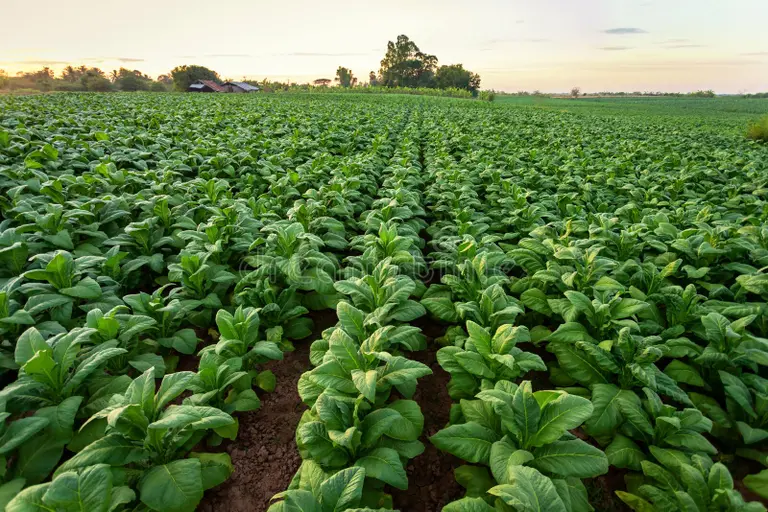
[550,45]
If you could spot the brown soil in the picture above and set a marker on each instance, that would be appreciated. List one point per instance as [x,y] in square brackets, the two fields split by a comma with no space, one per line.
[740,468]
[601,491]
[264,453]
[431,484]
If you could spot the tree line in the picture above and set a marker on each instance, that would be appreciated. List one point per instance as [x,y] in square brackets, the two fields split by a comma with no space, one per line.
[84,78]
[405,65]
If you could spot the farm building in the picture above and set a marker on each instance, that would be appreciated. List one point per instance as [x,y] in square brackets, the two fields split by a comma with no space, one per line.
[211,86]
[206,86]
[239,87]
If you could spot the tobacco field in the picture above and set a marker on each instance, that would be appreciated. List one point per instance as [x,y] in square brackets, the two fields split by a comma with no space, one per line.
[327,303]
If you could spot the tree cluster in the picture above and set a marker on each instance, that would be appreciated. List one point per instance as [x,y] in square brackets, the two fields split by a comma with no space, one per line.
[345,78]
[405,65]
[84,78]
[184,76]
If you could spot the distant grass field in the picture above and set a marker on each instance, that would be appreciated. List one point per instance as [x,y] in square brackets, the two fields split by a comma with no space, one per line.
[733,112]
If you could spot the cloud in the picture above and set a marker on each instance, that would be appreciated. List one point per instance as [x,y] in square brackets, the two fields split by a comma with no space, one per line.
[319,54]
[519,22]
[229,55]
[616,48]
[518,40]
[38,62]
[756,54]
[669,65]
[625,30]
[673,44]
[99,60]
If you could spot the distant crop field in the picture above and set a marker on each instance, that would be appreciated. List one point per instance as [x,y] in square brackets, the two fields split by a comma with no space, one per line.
[382,302]
[720,111]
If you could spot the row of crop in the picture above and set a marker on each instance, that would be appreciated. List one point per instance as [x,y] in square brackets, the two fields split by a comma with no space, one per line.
[606,343]
[517,442]
[362,426]
[122,431]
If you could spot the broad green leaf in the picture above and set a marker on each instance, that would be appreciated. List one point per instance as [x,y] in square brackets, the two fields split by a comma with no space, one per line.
[468,441]
[636,503]
[624,453]
[343,490]
[194,417]
[574,458]
[527,414]
[468,505]
[365,382]
[681,372]
[560,415]
[19,431]
[9,490]
[86,492]
[87,289]
[476,480]
[173,487]
[215,467]
[30,500]
[112,449]
[529,491]
[758,483]
[384,464]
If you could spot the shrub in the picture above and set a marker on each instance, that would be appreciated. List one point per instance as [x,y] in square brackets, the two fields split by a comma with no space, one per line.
[96,83]
[487,95]
[758,130]
[61,85]
[158,87]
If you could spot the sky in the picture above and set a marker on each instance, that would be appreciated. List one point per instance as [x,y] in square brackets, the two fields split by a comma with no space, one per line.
[546,45]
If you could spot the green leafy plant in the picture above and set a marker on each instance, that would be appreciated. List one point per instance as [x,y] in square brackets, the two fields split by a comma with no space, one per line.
[481,357]
[66,285]
[629,361]
[240,337]
[50,371]
[278,308]
[315,490]
[202,285]
[523,438]
[169,315]
[146,434]
[340,431]
[695,484]
[90,488]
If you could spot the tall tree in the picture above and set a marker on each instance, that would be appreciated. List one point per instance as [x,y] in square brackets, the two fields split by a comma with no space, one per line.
[184,76]
[70,74]
[345,77]
[405,65]
[132,80]
[43,78]
[94,79]
[457,77]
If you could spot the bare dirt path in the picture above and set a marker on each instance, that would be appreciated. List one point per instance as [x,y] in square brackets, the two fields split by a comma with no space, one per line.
[264,454]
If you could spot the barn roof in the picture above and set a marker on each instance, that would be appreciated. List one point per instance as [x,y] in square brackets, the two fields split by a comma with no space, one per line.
[244,86]
[213,85]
